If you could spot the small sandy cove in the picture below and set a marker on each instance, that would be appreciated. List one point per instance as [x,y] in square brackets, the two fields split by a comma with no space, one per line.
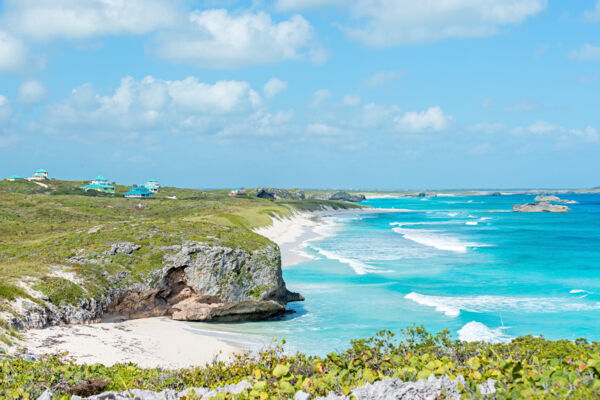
[148,342]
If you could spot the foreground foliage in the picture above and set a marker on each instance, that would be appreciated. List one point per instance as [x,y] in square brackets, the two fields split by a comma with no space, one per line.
[526,368]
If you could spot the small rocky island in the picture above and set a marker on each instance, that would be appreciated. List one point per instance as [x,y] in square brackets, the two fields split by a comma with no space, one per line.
[544,203]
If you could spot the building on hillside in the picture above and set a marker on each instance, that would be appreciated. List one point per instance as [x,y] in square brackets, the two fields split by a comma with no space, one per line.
[39,175]
[13,178]
[139,192]
[99,180]
[237,192]
[98,188]
[152,185]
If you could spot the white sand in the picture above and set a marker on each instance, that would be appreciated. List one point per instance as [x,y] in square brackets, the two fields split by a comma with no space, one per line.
[292,233]
[148,342]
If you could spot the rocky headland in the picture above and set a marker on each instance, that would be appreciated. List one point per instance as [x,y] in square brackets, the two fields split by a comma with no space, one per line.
[544,203]
[194,282]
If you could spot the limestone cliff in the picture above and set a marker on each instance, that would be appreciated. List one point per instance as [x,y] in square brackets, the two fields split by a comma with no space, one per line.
[195,282]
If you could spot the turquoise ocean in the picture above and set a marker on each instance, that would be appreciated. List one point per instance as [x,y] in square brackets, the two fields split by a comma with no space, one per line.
[466,264]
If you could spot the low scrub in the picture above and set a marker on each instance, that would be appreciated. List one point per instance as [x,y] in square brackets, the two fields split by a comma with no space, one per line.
[525,368]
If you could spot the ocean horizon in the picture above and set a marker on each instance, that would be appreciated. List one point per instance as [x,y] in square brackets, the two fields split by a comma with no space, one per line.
[463,263]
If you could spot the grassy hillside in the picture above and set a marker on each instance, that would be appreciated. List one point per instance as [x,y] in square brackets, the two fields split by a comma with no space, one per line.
[42,228]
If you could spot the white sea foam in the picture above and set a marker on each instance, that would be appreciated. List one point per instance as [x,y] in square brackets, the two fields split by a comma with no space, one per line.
[471,223]
[452,306]
[575,291]
[452,214]
[477,332]
[433,238]
[359,267]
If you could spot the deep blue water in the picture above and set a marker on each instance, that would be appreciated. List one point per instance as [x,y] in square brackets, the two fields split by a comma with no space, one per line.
[466,264]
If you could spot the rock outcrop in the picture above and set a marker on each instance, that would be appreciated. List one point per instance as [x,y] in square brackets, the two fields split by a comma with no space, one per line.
[280,194]
[201,283]
[340,196]
[540,206]
[196,282]
[431,388]
[553,198]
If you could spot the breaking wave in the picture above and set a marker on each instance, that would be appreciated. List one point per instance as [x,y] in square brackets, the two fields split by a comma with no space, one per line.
[478,332]
[452,306]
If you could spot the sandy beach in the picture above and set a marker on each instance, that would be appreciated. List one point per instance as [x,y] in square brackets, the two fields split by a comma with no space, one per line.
[149,342]
[292,233]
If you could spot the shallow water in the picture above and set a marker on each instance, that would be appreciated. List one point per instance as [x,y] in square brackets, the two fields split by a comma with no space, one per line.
[466,264]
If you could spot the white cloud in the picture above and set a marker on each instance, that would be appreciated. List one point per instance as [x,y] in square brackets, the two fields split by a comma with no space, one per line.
[523,105]
[75,19]
[31,92]
[547,129]
[326,130]
[592,15]
[379,78]
[273,87]
[219,39]
[13,53]
[351,100]
[480,149]
[393,22]
[537,128]
[432,119]
[488,127]
[288,5]
[319,97]
[153,104]
[589,134]
[5,110]
[587,52]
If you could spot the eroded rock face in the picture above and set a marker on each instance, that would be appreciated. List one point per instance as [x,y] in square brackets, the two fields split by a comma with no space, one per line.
[197,282]
[341,196]
[280,194]
[201,283]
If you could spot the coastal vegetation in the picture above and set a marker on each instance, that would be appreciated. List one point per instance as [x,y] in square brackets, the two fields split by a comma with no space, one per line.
[525,368]
[57,242]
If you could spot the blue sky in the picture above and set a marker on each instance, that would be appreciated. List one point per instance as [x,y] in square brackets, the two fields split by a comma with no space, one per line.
[369,94]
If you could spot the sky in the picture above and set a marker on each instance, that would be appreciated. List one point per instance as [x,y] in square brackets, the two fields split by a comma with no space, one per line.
[363,94]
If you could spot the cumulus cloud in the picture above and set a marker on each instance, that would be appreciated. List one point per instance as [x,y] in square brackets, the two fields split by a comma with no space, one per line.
[153,104]
[537,128]
[13,53]
[488,127]
[319,97]
[5,110]
[273,87]
[592,15]
[587,52]
[31,92]
[351,100]
[289,5]
[74,19]
[379,78]
[432,119]
[547,130]
[394,22]
[219,39]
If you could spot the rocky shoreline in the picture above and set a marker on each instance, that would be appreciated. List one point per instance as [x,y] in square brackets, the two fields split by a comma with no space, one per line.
[198,282]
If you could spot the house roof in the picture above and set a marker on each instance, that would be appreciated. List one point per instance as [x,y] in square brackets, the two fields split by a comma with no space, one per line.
[138,189]
[15,177]
[100,178]
[96,186]
[42,171]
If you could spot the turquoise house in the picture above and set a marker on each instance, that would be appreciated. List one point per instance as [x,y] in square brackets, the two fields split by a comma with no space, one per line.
[139,192]
[13,178]
[40,175]
[99,180]
[98,188]
[152,185]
